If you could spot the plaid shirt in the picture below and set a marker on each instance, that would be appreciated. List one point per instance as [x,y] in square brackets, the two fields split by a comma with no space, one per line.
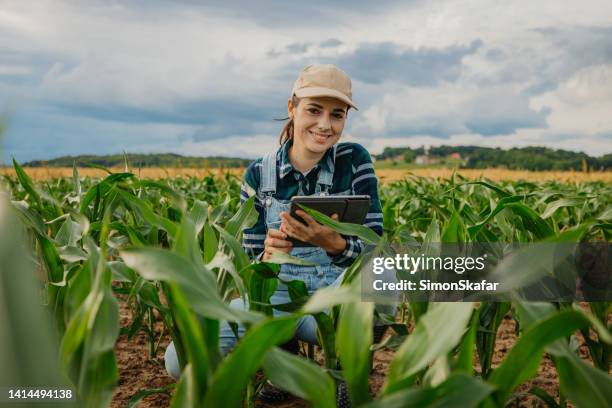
[353,173]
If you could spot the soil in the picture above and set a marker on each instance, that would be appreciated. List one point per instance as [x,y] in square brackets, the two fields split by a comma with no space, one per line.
[138,372]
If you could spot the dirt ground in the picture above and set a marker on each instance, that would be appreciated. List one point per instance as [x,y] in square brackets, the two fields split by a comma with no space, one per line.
[137,372]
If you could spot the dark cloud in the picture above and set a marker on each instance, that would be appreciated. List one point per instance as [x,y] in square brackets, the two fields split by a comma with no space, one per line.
[187,112]
[491,125]
[33,134]
[495,54]
[35,64]
[330,43]
[540,87]
[568,50]
[580,47]
[490,114]
[502,114]
[236,127]
[588,45]
[379,62]
[298,48]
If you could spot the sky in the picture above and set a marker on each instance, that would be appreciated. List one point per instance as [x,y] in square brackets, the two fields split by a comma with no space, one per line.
[210,78]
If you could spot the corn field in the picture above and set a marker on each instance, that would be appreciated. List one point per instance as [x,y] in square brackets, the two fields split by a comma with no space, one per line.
[170,250]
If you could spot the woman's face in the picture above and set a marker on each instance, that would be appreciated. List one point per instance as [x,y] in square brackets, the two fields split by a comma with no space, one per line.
[318,122]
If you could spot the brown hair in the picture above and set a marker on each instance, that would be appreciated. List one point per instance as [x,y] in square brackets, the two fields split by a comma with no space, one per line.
[287,131]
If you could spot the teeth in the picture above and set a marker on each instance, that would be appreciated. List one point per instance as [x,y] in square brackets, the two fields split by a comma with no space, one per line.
[317,134]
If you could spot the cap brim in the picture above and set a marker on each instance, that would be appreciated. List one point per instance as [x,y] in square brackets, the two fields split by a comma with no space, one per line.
[332,93]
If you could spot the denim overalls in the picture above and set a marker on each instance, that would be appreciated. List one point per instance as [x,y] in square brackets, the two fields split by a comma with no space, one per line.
[324,274]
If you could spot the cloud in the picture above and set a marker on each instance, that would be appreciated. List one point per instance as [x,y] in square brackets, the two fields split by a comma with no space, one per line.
[298,48]
[379,62]
[581,105]
[330,43]
[450,109]
[186,76]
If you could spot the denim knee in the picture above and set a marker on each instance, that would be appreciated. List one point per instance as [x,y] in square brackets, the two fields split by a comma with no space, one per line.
[227,341]
[171,362]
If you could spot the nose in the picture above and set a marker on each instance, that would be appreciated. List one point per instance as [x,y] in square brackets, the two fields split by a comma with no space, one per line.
[324,122]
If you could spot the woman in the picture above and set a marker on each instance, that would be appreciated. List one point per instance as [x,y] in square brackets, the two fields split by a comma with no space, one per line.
[310,161]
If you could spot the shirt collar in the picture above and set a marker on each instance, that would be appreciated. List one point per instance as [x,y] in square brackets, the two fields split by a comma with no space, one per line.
[327,162]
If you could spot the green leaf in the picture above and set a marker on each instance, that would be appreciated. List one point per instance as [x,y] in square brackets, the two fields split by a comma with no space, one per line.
[198,286]
[523,360]
[246,217]
[459,390]
[211,244]
[135,399]
[500,191]
[192,341]
[553,206]
[231,378]
[147,212]
[199,215]
[465,359]
[437,333]
[279,257]
[101,189]
[366,234]
[241,260]
[330,296]
[454,230]
[300,377]
[583,384]
[353,342]
[26,183]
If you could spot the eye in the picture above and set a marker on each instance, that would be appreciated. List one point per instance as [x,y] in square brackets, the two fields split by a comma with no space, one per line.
[314,111]
[338,115]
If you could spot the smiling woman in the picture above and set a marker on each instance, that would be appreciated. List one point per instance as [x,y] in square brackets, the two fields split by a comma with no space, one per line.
[310,161]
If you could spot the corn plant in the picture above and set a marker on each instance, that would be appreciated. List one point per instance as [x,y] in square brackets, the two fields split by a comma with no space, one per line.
[171,248]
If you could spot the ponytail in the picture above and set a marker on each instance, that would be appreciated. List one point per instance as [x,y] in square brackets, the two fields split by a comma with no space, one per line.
[287,131]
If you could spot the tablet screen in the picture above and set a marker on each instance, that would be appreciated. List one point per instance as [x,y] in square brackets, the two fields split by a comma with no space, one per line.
[351,209]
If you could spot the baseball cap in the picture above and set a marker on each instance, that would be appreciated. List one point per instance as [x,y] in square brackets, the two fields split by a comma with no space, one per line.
[324,80]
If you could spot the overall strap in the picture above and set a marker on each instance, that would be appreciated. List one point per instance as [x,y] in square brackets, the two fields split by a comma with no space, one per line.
[268,177]
[324,182]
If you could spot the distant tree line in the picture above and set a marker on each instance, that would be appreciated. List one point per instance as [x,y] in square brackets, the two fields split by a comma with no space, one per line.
[526,158]
[474,157]
[143,160]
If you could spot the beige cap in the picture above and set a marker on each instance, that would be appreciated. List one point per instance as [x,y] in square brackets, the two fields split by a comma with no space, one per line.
[324,80]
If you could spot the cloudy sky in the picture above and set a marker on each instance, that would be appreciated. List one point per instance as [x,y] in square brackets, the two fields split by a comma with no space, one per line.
[146,76]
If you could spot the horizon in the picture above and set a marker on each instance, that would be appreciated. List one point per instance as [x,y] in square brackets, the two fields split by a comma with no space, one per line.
[158,80]
[4,164]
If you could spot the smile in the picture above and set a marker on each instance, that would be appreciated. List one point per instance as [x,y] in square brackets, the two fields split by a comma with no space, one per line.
[318,137]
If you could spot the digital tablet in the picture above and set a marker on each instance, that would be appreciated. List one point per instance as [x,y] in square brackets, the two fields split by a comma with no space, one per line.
[350,208]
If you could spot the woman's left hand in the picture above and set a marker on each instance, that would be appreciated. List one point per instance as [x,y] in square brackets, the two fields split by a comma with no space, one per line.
[313,233]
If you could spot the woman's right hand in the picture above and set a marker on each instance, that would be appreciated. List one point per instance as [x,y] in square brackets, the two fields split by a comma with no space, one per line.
[276,241]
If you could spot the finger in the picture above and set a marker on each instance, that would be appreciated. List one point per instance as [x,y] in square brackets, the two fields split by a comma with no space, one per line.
[297,232]
[293,232]
[292,222]
[306,217]
[274,233]
[269,252]
[277,243]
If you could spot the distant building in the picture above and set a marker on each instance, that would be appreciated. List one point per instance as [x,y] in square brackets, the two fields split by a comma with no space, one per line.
[424,159]
[455,155]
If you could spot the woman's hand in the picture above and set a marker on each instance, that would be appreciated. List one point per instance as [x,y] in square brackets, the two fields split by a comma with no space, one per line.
[313,233]
[276,241]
